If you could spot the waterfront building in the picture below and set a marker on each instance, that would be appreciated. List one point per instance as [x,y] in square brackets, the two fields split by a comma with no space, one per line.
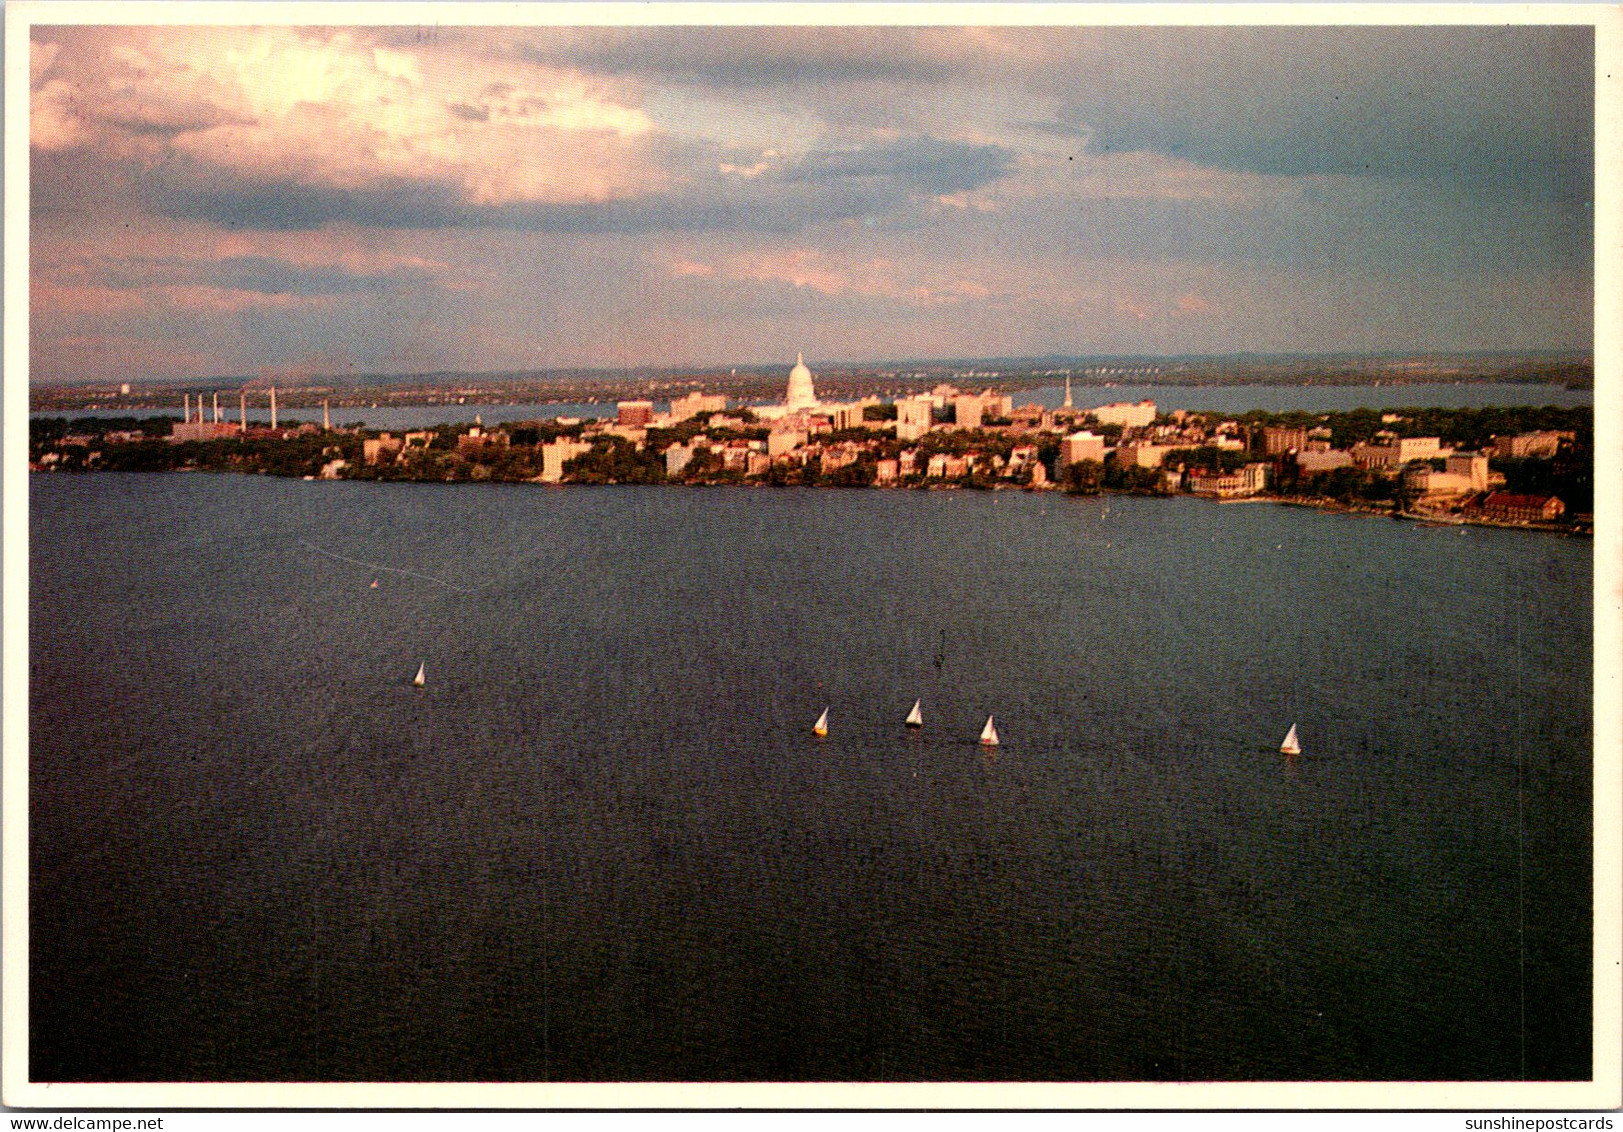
[907,462]
[556,454]
[1247,481]
[1507,507]
[757,463]
[1278,440]
[1080,446]
[839,456]
[1138,414]
[886,471]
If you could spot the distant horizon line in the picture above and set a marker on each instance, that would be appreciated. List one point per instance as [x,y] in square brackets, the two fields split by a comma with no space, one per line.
[761,368]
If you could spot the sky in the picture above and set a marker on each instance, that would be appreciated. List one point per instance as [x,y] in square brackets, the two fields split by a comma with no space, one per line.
[299,201]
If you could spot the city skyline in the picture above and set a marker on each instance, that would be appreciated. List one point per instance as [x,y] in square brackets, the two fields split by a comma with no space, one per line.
[478,199]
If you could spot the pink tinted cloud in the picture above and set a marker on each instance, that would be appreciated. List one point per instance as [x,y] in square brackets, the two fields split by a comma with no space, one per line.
[333,108]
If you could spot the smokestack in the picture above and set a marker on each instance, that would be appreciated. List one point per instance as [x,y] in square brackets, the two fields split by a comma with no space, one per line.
[216,406]
[243,407]
[273,406]
[186,407]
[326,418]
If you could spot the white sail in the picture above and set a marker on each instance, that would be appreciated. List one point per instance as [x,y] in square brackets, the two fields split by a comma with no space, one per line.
[989,733]
[422,676]
[915,718]
[1291,745]
[821,726]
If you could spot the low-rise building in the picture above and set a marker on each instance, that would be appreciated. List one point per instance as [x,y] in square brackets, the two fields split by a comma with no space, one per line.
[1141,454]
[1543,444]
[1507,507]
[780,441]
[204,430]
[383,447]
[1247,481]
[1313,460]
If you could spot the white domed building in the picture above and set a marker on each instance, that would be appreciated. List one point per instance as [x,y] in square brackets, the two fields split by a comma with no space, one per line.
[802,409]
[801,394]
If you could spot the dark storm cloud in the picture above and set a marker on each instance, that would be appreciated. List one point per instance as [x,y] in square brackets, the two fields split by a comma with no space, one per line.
[746,58]
[924,164]
[822,186]
[264,275]
[1505,110]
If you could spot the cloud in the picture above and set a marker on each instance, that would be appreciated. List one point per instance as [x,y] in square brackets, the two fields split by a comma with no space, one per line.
[341,114]
[1502,108]
[928,165]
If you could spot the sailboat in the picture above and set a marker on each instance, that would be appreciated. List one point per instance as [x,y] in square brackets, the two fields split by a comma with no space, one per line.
[1291,745]
[989,733]
[421,678]
[820,728]
[915,718]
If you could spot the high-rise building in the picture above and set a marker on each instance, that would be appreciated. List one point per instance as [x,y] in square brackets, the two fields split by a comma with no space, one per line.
[1277,440]
[684,408]
[967,410]
[1081,446]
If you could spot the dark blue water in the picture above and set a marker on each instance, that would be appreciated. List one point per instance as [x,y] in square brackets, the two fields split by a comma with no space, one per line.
[602,844]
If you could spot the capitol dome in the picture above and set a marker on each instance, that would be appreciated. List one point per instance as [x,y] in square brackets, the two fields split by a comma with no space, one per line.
[801,395]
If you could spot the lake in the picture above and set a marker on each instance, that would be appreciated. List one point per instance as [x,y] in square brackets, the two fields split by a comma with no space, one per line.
[603,844]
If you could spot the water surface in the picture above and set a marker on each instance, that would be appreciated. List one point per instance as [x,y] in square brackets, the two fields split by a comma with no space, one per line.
[602,844]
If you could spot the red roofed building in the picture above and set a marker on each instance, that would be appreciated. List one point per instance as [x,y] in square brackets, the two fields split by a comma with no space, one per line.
[1509,508]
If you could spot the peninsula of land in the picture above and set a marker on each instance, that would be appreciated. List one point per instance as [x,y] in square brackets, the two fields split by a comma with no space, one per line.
[1520,466]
